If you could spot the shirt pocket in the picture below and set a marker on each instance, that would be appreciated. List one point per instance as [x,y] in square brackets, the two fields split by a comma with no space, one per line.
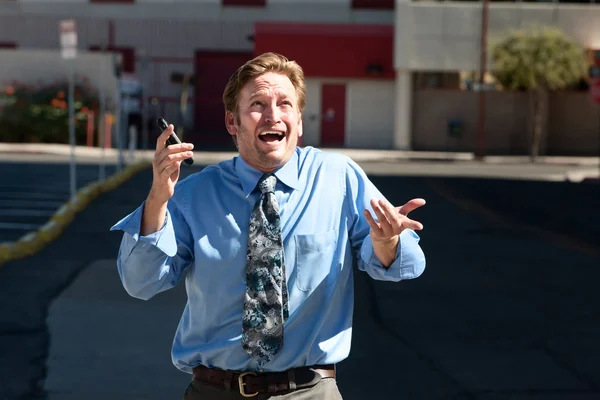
[315,260]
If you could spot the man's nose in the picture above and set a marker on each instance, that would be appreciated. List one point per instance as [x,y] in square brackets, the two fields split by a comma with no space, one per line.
[272,114]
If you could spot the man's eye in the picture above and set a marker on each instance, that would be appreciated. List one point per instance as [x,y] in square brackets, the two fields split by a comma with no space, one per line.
[287,103]
[257,103]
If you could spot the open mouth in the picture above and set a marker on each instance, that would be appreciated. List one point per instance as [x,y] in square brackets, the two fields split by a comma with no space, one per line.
[271,136]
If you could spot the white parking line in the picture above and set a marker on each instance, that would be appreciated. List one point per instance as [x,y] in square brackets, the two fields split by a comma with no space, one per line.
[34,195]
[25,213]
[18,227]
[31,203]
[37,188]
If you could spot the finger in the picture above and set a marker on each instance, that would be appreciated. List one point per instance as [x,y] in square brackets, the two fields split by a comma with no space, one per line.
[161,141]
[372,223]
[170,159]
[170,168]
[392,216]
[382,219]
[386,225]
[174,149]
[412,224]
[410,206]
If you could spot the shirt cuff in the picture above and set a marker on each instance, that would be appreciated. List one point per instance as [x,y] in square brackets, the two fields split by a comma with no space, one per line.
[408,264]
[164,239]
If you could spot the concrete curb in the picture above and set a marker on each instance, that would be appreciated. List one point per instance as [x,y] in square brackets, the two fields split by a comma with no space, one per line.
[359,155]
[32,242]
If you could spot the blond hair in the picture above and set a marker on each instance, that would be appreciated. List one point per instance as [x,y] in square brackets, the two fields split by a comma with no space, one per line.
[266,62]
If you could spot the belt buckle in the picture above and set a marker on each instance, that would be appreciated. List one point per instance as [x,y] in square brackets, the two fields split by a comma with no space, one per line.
[241,384]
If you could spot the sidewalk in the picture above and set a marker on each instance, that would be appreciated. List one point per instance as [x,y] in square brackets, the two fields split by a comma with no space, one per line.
[356,154]
[381,162]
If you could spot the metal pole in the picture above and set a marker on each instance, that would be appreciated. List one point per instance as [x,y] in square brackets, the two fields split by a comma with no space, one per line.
[183,101]
[72,128]
[119,121]
[102,132]
[119,134]
[145,118]
[102,122]
[482,70]
[144,103]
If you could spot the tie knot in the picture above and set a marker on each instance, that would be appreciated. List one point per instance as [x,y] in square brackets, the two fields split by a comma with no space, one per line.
[266,184]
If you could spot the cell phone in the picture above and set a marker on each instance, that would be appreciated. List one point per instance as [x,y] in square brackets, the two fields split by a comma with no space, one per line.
[173,139]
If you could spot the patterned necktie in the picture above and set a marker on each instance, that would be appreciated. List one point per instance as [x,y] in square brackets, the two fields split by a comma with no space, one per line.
[266,300]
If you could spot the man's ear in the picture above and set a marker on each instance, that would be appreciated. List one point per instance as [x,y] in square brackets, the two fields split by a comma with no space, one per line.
[230,123]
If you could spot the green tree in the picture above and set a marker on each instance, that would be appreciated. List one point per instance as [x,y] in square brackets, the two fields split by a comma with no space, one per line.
[539,60]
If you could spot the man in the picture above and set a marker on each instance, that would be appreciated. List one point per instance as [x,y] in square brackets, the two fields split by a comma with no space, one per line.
[266,243]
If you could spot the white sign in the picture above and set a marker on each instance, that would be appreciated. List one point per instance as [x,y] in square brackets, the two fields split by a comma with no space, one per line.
[68,39]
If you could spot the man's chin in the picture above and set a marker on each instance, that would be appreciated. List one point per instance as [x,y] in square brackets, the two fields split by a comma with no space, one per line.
[277,157]
[277,149]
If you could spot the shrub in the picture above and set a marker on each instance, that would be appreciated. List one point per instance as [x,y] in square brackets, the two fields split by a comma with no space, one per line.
[39,113]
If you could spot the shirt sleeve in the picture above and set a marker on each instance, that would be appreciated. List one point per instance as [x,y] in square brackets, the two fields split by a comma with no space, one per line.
[151,264]
[410,259]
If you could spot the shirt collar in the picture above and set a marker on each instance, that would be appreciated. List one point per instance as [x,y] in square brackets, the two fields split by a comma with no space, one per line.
[249,176]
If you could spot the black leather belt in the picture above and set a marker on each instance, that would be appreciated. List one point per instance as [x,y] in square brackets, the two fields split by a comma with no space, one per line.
[250,384]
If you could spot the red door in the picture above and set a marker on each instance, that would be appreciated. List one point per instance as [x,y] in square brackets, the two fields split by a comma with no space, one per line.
[213,70]
[333,115]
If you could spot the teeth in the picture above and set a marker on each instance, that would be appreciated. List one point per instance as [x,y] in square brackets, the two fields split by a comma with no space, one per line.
[271,133]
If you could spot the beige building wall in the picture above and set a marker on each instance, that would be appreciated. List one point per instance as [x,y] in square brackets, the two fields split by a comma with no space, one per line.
[445,36]
[369,112]
[572,122]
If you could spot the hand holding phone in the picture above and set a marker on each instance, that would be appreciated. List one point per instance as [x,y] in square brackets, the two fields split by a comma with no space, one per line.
[166,169]
[173,139]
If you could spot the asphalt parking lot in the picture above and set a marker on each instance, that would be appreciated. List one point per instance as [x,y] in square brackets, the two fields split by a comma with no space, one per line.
[31,193]
[506,309]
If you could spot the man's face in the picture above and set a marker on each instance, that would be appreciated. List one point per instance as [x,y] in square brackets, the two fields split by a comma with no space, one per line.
[268,123]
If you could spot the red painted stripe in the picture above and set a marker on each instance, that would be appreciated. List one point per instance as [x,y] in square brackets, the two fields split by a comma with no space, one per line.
[331,50]
[346,30]
[112,1]
[373,4]
[252,3]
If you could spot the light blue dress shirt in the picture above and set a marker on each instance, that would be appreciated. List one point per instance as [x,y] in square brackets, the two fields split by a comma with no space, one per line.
[321,198]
